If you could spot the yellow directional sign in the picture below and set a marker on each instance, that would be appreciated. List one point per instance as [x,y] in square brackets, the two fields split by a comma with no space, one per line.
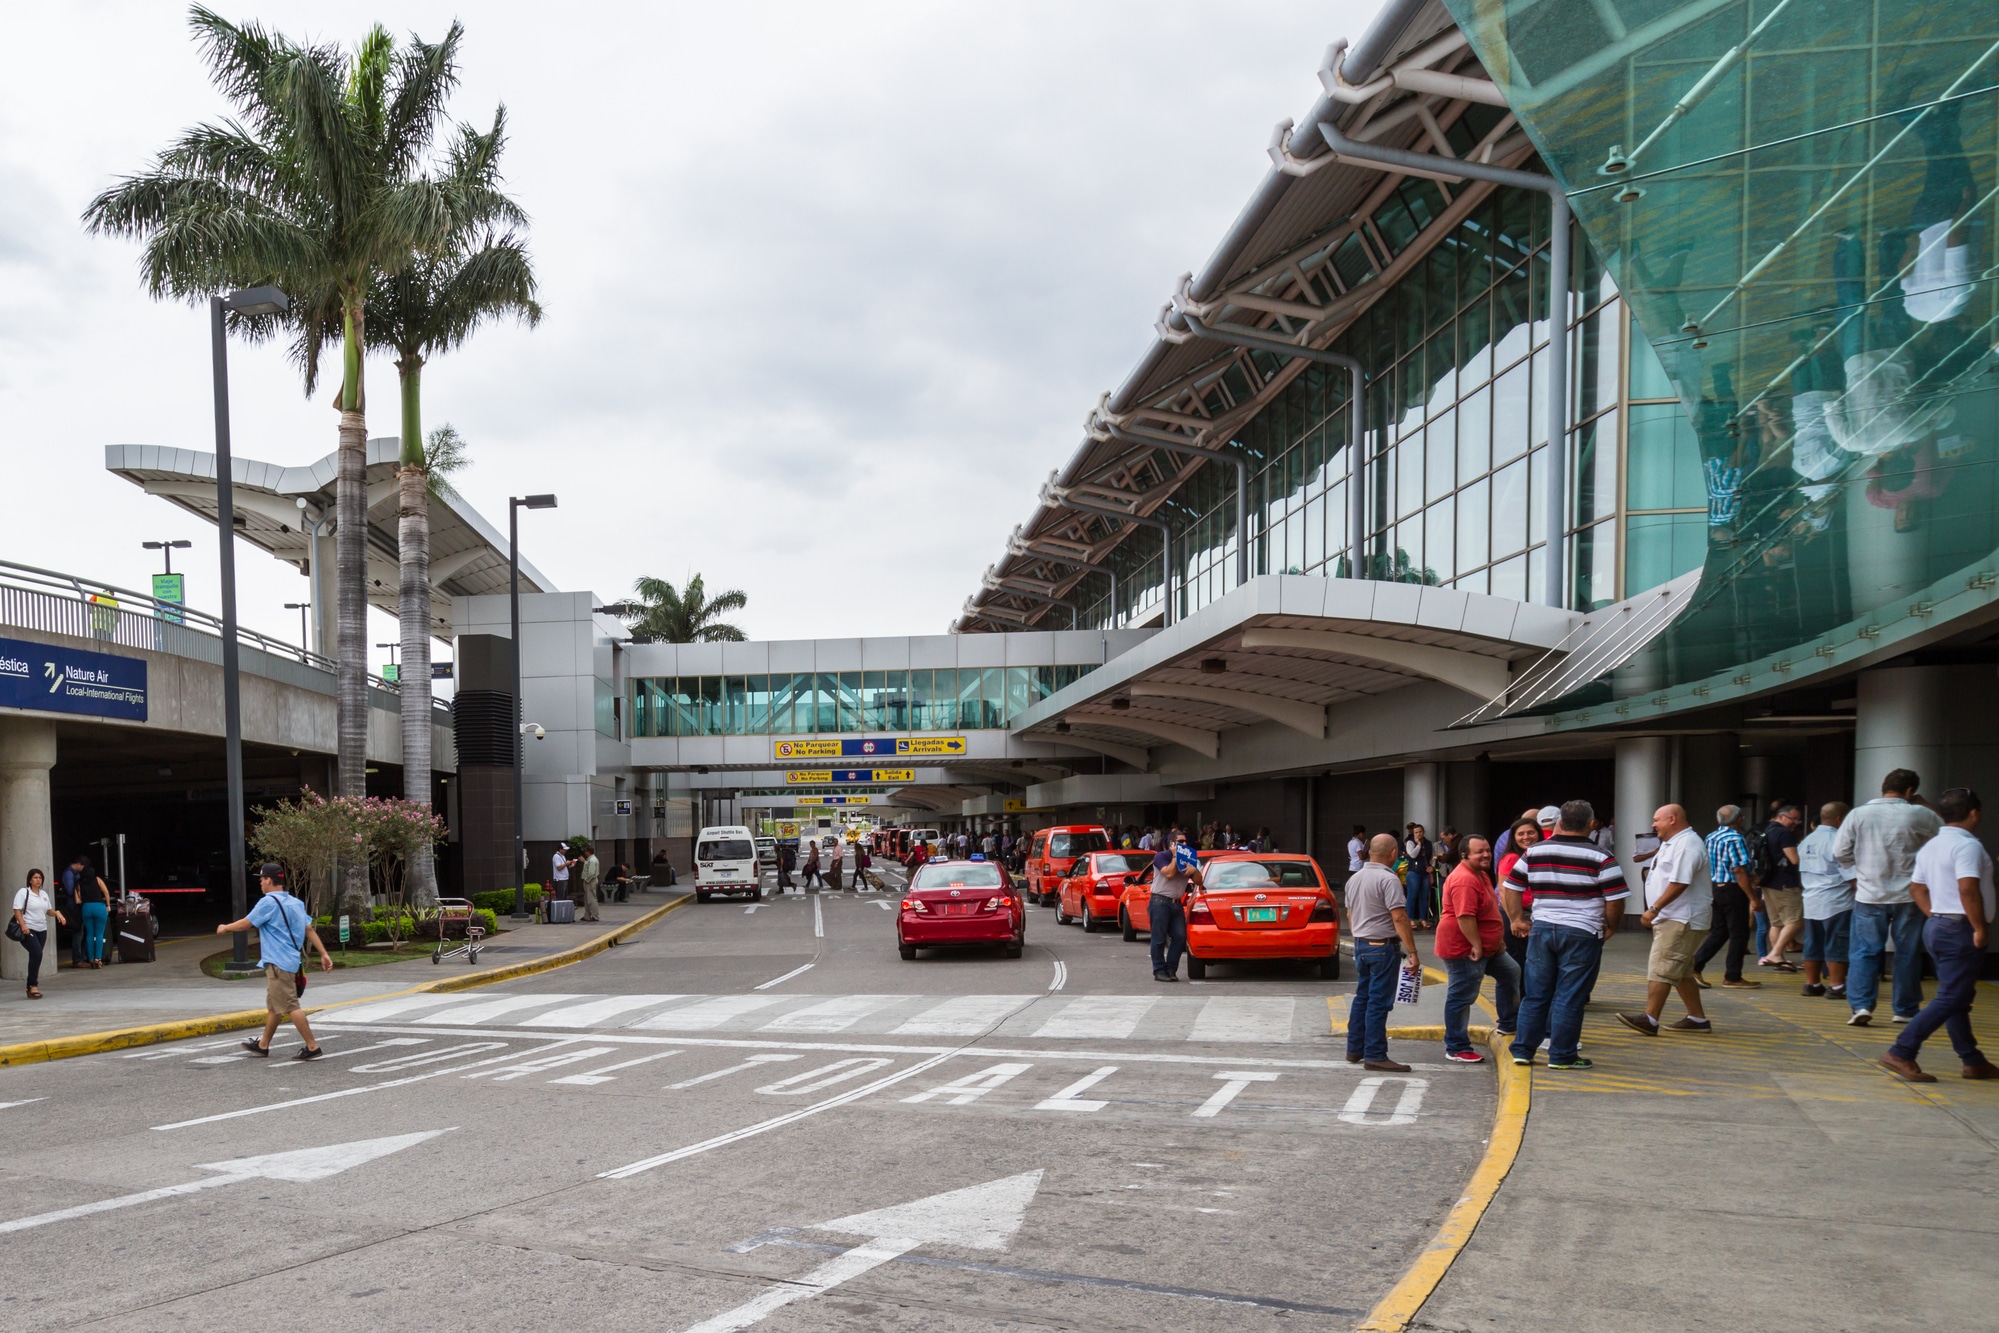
[805,749]
[816,777]
[931,745]
[1014,805]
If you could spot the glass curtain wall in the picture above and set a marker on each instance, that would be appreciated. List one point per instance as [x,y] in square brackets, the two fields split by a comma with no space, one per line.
[809,703]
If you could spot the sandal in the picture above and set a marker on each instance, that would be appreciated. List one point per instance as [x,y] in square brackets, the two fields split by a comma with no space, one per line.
[34,994]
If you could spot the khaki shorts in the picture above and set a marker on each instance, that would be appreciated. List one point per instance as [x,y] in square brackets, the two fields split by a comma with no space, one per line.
[1785,906]
[1673,946]
[280,991]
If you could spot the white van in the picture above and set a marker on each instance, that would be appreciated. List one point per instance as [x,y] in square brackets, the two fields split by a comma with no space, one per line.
[725,861]
[932,841]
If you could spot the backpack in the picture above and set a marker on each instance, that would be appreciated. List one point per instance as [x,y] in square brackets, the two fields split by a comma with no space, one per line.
[1759,855]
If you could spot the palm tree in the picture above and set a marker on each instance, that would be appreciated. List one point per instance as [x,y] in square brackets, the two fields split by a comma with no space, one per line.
[316,187]
[432,306]
[665,614]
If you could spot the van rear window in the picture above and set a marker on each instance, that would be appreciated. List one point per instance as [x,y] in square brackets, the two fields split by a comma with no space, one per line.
[725,849]
[1077,844]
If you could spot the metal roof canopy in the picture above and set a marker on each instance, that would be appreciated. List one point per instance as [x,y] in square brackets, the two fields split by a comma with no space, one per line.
[468,555]
[1283,647]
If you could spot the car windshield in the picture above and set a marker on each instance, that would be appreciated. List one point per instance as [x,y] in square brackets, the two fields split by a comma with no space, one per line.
[1116,863]
[957,875]
[1076,844]
[725,849]
[1260,875]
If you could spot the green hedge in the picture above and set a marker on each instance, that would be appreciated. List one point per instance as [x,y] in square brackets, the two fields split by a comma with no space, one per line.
[377,931]
[501,901]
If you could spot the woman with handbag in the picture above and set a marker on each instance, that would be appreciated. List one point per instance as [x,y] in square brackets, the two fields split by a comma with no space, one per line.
[93,904]
[29,926]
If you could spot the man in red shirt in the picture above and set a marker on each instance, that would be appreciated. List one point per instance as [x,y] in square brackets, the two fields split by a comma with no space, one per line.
[1471,945]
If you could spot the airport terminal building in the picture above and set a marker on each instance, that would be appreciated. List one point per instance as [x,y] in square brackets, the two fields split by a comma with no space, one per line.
[1595,398]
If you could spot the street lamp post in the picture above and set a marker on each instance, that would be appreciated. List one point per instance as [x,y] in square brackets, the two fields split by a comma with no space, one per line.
[166,548]
[516,503]
[301,608]
[254,301]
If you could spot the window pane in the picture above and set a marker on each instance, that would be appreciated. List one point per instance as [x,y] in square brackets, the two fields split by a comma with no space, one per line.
[710,705]
[1409,472]
[1509,579]
[736,706]
[1472,525]
[852,712]
[992,697]
[826,704]
[1509,509]
[1439,529]
[1593,567]
[784,704]
[759,723]
[1019,691]
[1475,436]
[920,686]
[1044,682]
[1661,547]
[969,692]
[1648,376]
[1440,449]
[1510,407]
[1593,483]
[1663,460]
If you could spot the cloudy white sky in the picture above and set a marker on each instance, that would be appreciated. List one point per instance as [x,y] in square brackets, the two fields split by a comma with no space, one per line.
[829,287]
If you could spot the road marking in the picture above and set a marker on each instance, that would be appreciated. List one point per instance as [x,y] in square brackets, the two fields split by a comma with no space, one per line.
[705,1015]
[751,1063]
[541,1064]
[886,907]
[778,981]
[964,1016]
[751,909]
[465,1015]
[1065,1100]
[1237,1080]
[834,1015]
[1111,1016]
[328,1096]
[596,1076]
[429,1057]
[598,1011]
[776,1122]
[305,1164]
[180,1051]
[818,921]
[8,1106]
[964,1091]
[1362,1101]
[812,1080]
[981,1217]
[1244,1018]
[1061,975]
[382,1009]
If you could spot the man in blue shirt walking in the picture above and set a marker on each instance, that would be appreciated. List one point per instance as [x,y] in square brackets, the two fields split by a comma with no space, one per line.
[283,928]
[1737,899]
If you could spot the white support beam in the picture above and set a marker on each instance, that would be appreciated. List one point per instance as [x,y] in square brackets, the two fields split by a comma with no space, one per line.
[1310,719]
[1474,673]
[1204,743]
[1138,758]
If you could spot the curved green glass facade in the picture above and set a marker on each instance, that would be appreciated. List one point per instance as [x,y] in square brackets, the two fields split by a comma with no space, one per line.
[1796,197]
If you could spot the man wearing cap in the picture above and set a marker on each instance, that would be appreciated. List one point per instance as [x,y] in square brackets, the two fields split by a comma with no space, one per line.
[283,928]
[1175,869]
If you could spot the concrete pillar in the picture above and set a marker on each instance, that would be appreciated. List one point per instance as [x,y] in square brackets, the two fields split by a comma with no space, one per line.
[27,841]
[1902,722]
[1644,764]
[1420,800]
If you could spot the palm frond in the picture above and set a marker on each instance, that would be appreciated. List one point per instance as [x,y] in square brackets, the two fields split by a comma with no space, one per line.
[445,454]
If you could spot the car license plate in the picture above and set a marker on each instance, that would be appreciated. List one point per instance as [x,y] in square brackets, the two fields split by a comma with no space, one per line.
[1259,914]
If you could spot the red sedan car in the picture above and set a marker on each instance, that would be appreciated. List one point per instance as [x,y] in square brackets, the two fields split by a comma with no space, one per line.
[951,904]
[1096,886]
[1262,905]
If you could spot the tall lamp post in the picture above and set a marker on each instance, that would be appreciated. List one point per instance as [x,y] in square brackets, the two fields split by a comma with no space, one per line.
[254,301]
[167,548]
[516,503]
[301,608]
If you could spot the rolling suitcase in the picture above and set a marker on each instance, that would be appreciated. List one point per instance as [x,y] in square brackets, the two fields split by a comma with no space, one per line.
[138,931]
[558,911]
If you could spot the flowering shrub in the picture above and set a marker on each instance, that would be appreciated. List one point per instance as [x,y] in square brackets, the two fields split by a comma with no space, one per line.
[313,836]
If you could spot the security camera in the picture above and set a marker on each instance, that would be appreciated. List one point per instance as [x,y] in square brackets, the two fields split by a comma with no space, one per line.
[533,729]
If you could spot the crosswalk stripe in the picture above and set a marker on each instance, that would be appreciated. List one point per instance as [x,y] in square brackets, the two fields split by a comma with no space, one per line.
[964,1016]
[1098,1016]
[382,1009]
[600,1012]
[1244,1018]
[488,1009]
[706,1015]
[834,1015]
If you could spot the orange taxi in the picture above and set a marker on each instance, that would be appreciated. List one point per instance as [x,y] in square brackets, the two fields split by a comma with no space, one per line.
[1095,889]
[1263,905]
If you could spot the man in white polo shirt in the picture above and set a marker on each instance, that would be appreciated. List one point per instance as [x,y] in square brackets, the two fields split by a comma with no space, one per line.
[1679,909]
[1952,884]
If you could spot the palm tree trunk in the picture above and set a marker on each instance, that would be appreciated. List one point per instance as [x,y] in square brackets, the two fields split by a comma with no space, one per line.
[350,500]
[413,608]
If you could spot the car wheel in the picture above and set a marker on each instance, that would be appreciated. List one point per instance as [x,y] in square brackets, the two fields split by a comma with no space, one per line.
[1196,969]
[1013,950]
[1089,919]
[700,895]
[1124,924]
[1329,966]
[908,952]
[1062,918]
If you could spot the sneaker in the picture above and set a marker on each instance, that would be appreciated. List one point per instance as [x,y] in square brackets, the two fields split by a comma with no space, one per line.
[1691,1024]
[1835,992]
[1861,1018]
[1703,982]
[1741,983]
[1385,1066]
[1524,1061]
[250,1045]
[1643,1024]
[1906,1070]
[1579,1062]
[1164,976]
[1812,988]
[1474,1058]
[308,1053]
[1505,1032]
[1902,1018]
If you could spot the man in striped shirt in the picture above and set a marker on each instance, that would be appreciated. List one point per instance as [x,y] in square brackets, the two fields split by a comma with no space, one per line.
[1737,898]
[1579,894]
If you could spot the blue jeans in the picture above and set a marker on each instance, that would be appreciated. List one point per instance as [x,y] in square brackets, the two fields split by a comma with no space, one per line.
[1465,975]
[1416,894]
[94,917]
[1375,968]
[1560,963]
[1830,940]
[1167,922]
[1958,962]
[1874,925]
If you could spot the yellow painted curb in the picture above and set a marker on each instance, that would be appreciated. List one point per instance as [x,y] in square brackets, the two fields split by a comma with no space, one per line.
[1509,1124]
[94,1043]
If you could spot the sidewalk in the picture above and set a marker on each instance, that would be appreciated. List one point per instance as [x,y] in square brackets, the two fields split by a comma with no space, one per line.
[1766,1176]
[125,995]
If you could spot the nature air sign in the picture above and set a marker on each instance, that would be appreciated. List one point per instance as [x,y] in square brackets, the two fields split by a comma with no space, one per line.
[70,680]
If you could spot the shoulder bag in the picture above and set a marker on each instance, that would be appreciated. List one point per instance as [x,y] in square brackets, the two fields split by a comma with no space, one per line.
[298,977]
[14,932]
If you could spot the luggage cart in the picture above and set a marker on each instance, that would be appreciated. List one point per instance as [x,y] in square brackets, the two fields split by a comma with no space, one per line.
[457,910]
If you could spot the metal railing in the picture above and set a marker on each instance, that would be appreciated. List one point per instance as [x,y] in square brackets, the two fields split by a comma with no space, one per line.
[80,608]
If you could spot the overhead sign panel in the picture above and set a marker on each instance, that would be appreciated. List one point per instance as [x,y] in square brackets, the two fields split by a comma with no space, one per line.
[834,800]
[868,747]
[815,777]
[931,745]
[70,680]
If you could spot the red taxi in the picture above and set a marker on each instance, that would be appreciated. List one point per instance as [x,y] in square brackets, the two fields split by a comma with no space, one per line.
[1096,887]
[1262,905]
[1053,854]
[955,903]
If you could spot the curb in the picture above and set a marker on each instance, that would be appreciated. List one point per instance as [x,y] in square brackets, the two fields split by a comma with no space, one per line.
[94,1043]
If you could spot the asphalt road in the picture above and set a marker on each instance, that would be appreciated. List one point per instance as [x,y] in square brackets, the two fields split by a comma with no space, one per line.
[719,1125]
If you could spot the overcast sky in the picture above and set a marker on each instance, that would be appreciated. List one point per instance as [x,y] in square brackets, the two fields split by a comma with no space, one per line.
[829,288]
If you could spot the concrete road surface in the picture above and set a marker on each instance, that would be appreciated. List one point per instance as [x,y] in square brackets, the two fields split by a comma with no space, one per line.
[750,1118]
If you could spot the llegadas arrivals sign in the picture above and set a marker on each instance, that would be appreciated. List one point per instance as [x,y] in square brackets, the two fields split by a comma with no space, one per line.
[70,680]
